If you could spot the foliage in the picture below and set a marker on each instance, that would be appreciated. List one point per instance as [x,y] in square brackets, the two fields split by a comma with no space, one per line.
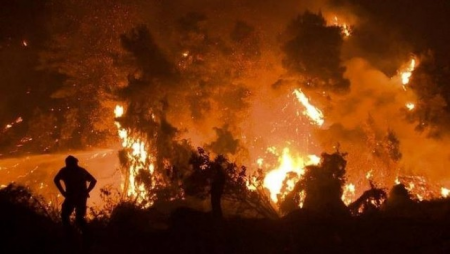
[20,196]
[87,57]
[111,199]
[323,187]
[312,49]
[369,202]
[236,190]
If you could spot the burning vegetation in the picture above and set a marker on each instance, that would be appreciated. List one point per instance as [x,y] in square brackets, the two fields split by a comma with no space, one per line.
[179,90]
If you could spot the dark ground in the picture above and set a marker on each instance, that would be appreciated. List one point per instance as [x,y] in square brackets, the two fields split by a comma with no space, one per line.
[24,228]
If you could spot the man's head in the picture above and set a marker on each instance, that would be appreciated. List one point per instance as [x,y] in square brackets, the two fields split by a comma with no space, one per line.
[71,161]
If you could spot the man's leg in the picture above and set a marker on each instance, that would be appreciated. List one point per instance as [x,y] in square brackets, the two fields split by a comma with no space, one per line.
[80,214]
[66,210]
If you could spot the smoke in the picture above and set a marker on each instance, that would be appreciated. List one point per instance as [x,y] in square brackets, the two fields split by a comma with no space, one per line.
[227,56]
[221,74]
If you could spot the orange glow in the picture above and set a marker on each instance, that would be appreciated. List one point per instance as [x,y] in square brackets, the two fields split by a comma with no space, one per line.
[118,111]
[289,172]
[312,112]
[406,73]
[410,106]
[346,31]
[349,193]
[139,159]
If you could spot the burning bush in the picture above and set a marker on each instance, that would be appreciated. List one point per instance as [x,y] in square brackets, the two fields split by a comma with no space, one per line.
[321,187]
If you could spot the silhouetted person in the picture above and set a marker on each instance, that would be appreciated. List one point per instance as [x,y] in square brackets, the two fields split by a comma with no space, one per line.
[75,192]
[399,202]
[217,185]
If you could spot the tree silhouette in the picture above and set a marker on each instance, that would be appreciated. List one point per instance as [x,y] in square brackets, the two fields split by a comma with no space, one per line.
[323,187]
[312,49]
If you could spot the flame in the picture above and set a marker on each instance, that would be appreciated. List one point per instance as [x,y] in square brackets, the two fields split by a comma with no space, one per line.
[118,111]
[407,72]
[410,106]
[445,192]
[260,161]
[346,31]
[369,174]
[349,193]
[289,172]
[312,112]
[139,159]
[10,125]
[418,187]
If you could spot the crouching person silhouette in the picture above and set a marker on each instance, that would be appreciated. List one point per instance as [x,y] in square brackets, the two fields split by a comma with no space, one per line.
[75,192]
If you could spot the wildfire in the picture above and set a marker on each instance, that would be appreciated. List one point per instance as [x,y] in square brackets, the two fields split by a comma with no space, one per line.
[118,111]
[139,160]
[410,106]
[288,173]
[312,112]
[349,193]
[445,192]
[407,72]
[417,186]
[346,31]
[10,125]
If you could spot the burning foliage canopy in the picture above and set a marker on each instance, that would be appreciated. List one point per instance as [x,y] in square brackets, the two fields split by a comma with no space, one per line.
[265,84]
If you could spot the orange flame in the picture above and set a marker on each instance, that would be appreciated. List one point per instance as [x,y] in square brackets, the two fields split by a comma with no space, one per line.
[407,72]
[289,172]
[349,193]
[312,112]
[346,31]
[445,192]
[139,158]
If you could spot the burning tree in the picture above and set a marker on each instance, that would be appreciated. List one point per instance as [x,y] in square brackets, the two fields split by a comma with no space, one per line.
[313,50]
[321,187]
[246,200]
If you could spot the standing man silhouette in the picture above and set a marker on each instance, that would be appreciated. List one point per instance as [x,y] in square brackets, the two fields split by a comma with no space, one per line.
[75,192]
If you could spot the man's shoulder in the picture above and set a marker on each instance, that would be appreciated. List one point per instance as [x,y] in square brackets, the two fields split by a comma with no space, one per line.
[62,172]
[82,169]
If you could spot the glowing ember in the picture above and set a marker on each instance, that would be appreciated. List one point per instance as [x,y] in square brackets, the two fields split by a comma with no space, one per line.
[418,187]
[445,192]
[410,106]
[260,162]
[346,31]
[312,112]
[369,174]
[10,125]
[407,73]
[118,111]
[314,159]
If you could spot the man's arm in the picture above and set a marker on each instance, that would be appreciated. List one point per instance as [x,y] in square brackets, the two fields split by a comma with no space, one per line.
[57,181]
[92,182]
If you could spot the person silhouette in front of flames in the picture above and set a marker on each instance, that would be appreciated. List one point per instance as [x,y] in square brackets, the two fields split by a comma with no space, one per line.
[75,192]
[217,185]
